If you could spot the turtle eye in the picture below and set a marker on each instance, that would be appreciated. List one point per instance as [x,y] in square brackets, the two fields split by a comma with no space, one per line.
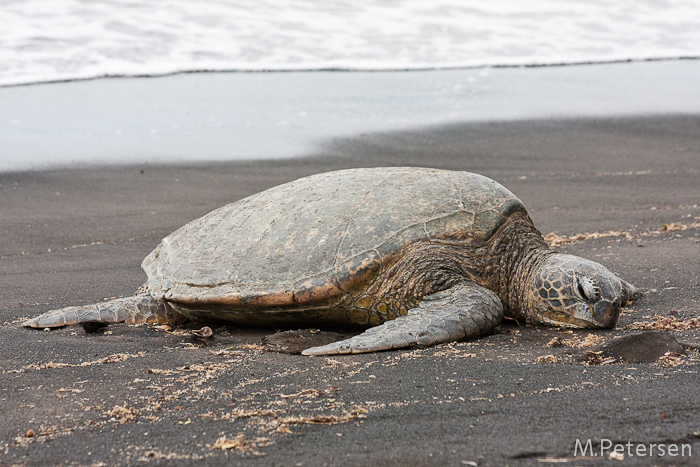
[581,289]
[587,290]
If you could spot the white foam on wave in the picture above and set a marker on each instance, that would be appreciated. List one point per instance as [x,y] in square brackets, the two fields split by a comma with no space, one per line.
[74,39]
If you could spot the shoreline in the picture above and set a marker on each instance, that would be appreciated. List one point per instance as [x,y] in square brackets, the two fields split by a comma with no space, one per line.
[354,70]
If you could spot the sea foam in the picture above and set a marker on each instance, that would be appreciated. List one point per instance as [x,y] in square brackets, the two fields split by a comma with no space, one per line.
[72,39]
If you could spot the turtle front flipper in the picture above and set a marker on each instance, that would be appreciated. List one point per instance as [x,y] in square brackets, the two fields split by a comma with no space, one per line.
[461,312]
[135,310]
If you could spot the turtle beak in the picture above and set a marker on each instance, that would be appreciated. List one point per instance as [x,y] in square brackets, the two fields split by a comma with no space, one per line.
[606,313]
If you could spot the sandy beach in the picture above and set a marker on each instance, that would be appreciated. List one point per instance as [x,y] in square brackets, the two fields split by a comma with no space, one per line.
[138,395]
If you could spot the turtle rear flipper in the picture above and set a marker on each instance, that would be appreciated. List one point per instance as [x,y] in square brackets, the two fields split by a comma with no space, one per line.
[135,310]
[464,311]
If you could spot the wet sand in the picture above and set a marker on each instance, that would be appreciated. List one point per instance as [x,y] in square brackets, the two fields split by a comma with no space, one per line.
[131,394]
[208,117]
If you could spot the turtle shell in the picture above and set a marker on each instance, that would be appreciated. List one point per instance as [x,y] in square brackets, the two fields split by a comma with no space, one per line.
[304,243]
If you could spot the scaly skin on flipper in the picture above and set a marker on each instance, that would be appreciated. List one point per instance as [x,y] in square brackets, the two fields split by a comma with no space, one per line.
[462,312]
[135,310]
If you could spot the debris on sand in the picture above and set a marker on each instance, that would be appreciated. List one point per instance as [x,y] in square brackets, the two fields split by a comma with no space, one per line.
[598,358]
[556,240]
[589,341]
[240,444]
[157,454]
[281,424]
[547,359]
[666,323]
[670,359]
[237,444]
[122,414]
[243,413]
[114,358]
[452,352]
[357,412]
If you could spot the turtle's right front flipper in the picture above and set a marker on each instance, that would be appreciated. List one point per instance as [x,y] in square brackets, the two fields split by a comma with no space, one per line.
[464,311]
[136,309]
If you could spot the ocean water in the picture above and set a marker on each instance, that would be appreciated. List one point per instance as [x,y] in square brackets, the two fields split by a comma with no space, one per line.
[58,122]
[75,39]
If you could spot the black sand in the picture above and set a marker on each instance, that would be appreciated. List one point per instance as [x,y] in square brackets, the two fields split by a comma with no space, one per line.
[138,395]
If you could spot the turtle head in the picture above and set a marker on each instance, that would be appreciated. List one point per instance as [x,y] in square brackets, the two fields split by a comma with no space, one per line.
[570,291]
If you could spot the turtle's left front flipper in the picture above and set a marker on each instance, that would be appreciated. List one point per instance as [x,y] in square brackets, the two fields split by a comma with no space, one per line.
[464,311]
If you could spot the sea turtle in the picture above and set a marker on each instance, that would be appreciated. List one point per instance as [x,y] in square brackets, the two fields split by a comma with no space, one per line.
[420,256]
